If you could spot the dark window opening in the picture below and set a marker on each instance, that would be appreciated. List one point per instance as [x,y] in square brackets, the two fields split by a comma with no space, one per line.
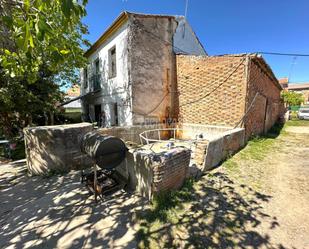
[96,81]
[85,77]
[112,63]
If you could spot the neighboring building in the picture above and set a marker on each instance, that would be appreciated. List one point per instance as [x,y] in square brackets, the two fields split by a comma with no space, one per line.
[228,90]
[284,82]
[72,99]
[300,87]
[131,71]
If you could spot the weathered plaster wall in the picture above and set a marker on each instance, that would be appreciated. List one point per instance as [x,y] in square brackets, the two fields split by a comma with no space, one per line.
[151,66]
[55,148]
[114,90]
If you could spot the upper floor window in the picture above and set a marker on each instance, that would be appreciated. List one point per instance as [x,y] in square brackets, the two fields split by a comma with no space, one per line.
[96,78]
[112,62]
[97,67]
[85,77]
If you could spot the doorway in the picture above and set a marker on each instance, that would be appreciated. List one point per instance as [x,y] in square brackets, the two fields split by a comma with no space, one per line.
[97,114]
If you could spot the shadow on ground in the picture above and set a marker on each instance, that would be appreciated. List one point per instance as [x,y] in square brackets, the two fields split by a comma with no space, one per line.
[57,212]
[211,213]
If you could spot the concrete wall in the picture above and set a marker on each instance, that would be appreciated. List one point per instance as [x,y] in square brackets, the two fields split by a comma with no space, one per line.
[114,90]
[220,148]
[215,145]
[129,134]
[192,131]
[55,148]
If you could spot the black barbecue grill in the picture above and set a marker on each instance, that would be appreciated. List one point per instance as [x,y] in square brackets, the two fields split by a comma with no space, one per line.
[107,152]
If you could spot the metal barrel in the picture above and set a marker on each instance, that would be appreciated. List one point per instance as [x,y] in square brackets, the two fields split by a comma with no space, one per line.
[106,151]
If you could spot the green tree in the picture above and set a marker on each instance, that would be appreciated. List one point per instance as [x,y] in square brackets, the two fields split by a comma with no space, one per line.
[40,51]
[292,98]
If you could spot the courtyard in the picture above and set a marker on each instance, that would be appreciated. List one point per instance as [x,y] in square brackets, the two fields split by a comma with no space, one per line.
[256,199]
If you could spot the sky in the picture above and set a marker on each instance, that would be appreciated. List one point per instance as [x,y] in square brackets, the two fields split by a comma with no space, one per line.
[228,27]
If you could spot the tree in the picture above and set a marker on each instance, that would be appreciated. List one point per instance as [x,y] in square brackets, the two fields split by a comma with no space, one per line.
[40,50]
[292,98]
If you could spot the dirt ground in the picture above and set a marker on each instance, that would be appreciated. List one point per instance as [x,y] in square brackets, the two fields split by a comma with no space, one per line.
[288,182]
[284,178]
[259,198]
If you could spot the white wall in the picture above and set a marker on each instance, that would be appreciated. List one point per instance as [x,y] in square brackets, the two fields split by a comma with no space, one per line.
[114,90]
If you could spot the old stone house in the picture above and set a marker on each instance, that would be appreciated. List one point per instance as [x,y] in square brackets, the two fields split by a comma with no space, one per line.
[131,72]
[150,68]
[230,90]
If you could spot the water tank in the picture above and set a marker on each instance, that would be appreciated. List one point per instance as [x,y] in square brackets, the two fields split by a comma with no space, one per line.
[106,151]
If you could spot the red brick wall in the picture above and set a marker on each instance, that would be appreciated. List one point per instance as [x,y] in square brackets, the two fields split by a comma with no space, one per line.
[229,96]
[268,106]
[197,76]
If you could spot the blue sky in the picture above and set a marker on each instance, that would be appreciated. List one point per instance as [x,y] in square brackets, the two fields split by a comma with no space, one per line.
[228,26]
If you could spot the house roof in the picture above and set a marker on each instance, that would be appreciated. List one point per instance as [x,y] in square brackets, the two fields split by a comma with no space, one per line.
[299,86]
[120,20]
[283,80]
[74,91]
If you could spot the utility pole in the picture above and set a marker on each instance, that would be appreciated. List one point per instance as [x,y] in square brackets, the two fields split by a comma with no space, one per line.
[292,67]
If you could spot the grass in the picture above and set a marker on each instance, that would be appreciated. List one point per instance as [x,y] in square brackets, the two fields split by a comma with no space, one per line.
[166,208]
[297,122]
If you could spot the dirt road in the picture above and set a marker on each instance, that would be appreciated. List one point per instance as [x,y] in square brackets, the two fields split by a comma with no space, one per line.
[289,188]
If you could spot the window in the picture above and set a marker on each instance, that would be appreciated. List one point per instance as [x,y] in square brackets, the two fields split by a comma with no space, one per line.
[85,78]
[112,63]
[97,67]
[96,80]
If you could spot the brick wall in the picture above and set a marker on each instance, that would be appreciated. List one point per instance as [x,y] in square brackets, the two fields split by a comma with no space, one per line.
[267,106]
[199,76]
[170,169]
[219,90]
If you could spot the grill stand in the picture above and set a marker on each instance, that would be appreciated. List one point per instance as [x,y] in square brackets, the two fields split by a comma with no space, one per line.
[102,182]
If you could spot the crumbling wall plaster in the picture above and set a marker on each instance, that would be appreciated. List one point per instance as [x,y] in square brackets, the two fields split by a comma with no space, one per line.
[151,66]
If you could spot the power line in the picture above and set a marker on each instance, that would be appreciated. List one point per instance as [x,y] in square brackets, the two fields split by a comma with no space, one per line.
[283,54]
[207,94]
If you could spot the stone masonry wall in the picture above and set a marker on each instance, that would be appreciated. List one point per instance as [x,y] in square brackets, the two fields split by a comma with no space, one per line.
[222,79]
